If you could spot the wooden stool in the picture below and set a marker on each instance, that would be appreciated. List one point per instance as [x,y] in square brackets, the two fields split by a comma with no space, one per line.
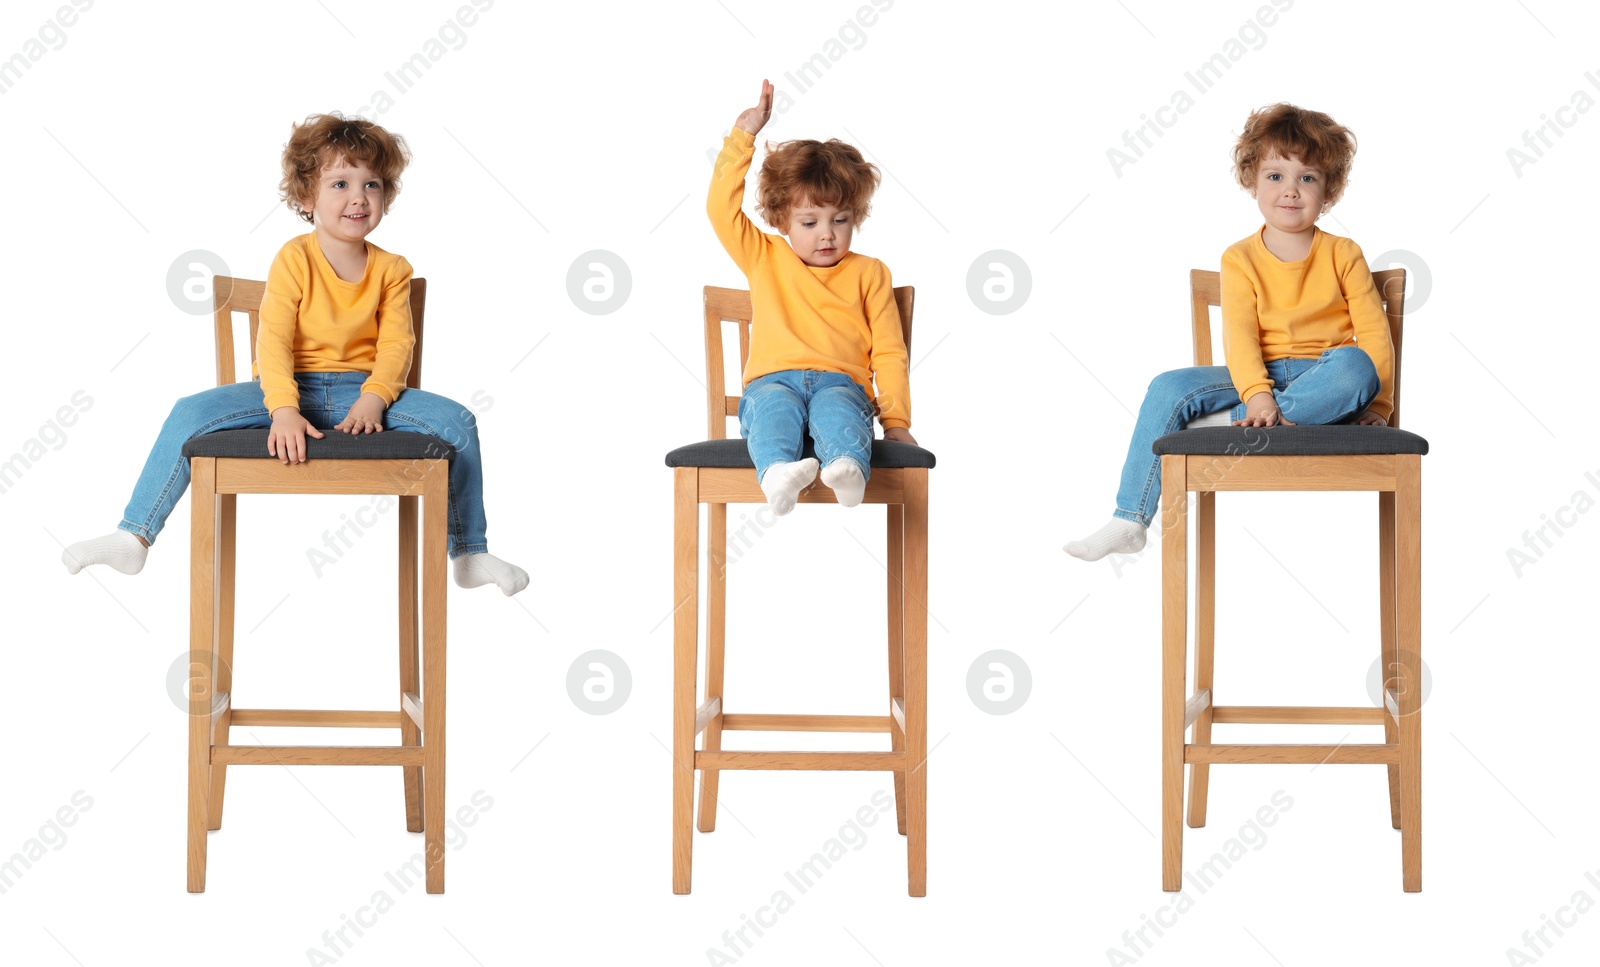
[235,462]
[719,472]
[1210,459]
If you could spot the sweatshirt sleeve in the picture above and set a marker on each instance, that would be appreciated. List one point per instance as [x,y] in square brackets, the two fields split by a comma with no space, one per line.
[1241,330]
[395,338]
[280,308]
[725,201]
[1368,319]
[889,359]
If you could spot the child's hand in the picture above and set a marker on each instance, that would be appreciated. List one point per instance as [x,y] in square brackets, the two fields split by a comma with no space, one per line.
[1262,410]
[365,417]
[899,434]
[287,438]
[1369,418]
[755,118]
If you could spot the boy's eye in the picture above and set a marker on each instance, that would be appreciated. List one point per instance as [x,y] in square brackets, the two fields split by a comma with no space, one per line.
[373,184]
[1308,177]
[338,184]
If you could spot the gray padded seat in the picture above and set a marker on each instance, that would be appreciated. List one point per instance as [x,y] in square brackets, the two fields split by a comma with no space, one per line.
[735,454]
[388,445]
[1289,441]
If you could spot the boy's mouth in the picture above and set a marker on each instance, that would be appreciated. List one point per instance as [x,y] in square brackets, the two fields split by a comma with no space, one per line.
[358,216]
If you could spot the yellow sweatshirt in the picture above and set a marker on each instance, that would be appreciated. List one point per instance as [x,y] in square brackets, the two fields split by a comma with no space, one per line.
[839,319]
[1273,309]
[312,321]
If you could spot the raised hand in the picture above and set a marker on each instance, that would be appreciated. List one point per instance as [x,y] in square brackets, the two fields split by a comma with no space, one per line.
[753,119]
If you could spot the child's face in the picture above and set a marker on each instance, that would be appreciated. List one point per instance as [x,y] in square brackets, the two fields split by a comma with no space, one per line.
[1289,193]
[820,234]
[349,202]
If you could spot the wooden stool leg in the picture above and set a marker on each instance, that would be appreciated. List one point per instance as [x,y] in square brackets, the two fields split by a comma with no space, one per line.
[1205,626]
[410,776]
[916,679]
[685,644]
[897,679]
[436,494]
[1389,659]
[222,678]
[1174,658]
[202,638]
[716,618]
[1408,626]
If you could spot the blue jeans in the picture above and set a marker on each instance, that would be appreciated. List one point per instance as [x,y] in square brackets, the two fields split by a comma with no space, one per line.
[778,409]
[325,399]
[1332,388]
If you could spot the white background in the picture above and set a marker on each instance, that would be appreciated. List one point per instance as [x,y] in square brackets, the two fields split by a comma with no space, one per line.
[548,132]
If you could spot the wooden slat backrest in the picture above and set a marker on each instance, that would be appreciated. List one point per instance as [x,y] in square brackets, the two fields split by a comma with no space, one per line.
[733,305]
[1205,291]
[230,295]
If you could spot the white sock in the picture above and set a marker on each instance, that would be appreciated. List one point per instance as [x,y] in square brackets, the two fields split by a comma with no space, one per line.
[844,477]
[1224,418]
[476,570]
[783,482]
[118,549]
[1118,537]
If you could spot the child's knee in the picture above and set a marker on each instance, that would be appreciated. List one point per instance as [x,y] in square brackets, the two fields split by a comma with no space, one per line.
[1356,366]
[1172,384]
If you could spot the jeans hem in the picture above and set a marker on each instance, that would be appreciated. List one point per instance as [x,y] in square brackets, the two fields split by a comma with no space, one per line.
[1132,516]
[137,531]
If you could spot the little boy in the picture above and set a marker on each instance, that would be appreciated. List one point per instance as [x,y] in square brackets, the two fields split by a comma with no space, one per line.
[1303,328]
[333,351]
[824,318]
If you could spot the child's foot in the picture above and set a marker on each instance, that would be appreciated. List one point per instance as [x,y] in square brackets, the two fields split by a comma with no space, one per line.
[1118,537]
[118,549]
[1224,418]
[844,477]
[476,570]
[783,482]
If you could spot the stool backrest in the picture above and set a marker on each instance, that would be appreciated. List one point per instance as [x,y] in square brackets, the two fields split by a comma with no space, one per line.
[733,305]
[1205,291]
[230,295]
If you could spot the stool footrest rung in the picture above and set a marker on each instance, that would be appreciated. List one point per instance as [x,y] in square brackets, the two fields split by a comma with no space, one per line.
[315,718]
[748,722]
[1314,754]
[316,755]
[818,761]
[1296,715]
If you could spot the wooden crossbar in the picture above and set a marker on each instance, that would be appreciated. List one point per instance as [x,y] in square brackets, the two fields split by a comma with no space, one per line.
[817,761]
[747,722]
[316,755]
[1297,715]
[316,718]
[1315,754]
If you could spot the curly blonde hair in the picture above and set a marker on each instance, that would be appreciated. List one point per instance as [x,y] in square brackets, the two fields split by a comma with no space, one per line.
[1295,132]
[326,139]
[825,172]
